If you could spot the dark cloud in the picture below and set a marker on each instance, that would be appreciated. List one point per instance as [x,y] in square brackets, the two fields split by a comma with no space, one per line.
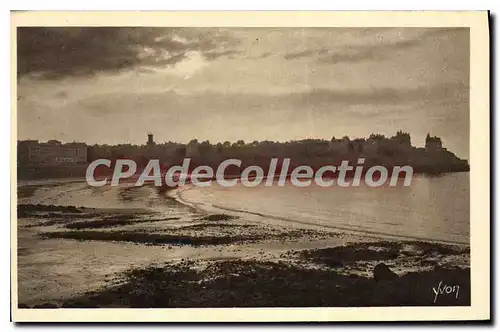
[303,54]
[384,96]
[376,52]
[354,53]
[380,96]
[212,55]
[364,53]
[59,52]
[298,55]
[61,95]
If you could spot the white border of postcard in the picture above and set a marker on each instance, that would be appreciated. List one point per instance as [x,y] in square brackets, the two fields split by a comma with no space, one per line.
[479,161]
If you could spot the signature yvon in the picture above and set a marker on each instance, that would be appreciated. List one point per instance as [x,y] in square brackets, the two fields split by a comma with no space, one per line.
[445,289]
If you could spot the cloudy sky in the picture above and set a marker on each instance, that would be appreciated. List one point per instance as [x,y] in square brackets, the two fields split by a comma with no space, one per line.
[114,85]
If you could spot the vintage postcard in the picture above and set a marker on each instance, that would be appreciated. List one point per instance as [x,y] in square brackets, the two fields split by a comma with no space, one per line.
[250,166]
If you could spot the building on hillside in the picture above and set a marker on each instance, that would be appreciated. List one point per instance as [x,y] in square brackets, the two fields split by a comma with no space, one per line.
[51,153]
[339,146]
[193,149]
[433,143]
[377,143]
[373,144]
[402,139]
[150,139]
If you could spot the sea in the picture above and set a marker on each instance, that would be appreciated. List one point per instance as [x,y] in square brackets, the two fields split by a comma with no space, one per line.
[432,208]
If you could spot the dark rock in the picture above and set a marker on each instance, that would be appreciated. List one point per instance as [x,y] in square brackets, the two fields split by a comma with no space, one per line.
[360,252]
[251,283]
[218,217]
[382,272]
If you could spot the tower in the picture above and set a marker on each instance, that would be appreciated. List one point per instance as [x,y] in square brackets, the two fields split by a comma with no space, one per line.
[150,139]
[433,143]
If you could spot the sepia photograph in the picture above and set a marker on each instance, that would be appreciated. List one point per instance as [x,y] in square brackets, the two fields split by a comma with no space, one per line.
[180,165]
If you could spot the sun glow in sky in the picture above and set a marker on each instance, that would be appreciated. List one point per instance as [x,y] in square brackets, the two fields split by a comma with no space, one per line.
[113,85]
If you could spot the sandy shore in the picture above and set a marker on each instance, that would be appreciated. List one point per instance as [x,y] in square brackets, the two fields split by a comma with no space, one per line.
[140,258]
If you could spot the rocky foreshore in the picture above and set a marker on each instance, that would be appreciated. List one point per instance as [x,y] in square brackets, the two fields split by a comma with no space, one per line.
[254,283]
[330,270]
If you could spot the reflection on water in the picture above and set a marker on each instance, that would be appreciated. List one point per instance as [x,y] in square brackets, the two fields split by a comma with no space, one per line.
[56,268]
[432,208]
[435,208]
[80,194]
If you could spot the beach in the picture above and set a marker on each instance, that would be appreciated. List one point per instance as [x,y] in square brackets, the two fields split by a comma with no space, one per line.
[138,247]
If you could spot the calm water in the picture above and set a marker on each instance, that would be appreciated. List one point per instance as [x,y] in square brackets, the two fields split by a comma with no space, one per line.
[432,208]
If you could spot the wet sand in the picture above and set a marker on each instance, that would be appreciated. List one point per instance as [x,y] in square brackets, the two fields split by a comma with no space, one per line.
[141,258]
